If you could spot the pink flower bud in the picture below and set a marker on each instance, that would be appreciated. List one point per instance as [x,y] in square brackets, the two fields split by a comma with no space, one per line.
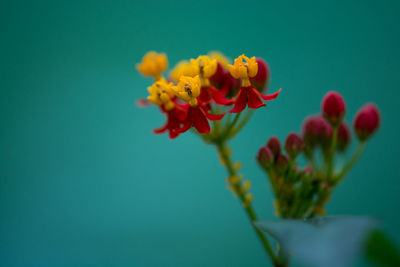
[293,145]
[333,107]
[282,163]
[265,156]
[274,145]
[316,131]
[261,79]
[343,138]
[367,121]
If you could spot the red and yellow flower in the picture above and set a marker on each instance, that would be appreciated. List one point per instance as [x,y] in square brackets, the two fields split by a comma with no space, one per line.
[188,90]
[245,68]
[190,93]
[163,95]
[153,64]
[206,68]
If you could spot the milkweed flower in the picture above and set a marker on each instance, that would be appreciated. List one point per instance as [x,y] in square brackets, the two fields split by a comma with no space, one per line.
[188,89]
[206,68]
[163,95]
[183,68]
[245,68]
[153,64]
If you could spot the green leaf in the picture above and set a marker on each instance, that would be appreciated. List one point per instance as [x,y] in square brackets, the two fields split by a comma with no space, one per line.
[381,250]
[327,241]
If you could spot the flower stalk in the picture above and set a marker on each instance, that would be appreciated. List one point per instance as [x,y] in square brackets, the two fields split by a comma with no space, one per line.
[248,208]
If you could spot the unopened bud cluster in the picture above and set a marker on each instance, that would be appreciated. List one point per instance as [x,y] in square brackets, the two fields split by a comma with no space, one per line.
[302,192]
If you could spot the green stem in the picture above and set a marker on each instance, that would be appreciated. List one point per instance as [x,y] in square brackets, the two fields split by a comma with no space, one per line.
[243,123]
[332,154]
[354,158]
[222,150]
[230,126]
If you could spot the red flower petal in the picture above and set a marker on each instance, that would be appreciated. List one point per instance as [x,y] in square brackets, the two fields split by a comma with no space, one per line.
[200,121]
[181,112]
[205,95]
[173,133]
[161,129]
[187,124]
[219,98]
[253,99]
[241,101]
[214,117]
[269,97]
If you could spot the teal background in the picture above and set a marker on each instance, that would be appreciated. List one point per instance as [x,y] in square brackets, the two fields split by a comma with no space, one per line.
[83,181]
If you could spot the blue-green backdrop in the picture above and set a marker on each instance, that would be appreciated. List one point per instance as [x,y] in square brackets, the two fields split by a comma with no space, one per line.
[83,181]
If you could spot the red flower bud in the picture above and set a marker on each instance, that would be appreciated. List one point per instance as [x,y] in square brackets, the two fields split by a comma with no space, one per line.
[293,145]
[230,86]
[282,163]
[333,108]
[367,121]
[343,138]
[261,79]
[274,145]
[316,131]
[265,156]
[218,79]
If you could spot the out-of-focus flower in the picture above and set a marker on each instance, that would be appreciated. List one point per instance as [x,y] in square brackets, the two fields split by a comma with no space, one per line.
[316,131]
[293,145]
[221,58]
[282,163]
[205,66]
[333,107]
[265,156]
[153,64]
[274,145]
[162,93]
[183,68]
[367,121]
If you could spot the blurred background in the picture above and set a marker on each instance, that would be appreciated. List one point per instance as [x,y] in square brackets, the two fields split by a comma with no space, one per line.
[83,181]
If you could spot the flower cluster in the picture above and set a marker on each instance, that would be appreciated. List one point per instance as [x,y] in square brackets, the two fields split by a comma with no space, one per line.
[200,90]
[303,192]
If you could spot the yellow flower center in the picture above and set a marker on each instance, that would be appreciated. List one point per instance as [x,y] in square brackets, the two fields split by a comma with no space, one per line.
[188,89]
[162,93]
[244,68]
[205,66]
